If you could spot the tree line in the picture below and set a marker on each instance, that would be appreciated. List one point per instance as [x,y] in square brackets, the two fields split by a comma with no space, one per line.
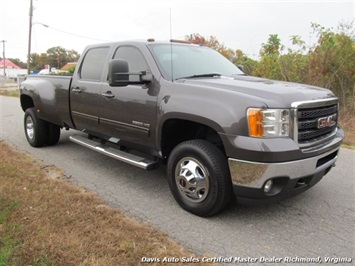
[56,57]
[329,63]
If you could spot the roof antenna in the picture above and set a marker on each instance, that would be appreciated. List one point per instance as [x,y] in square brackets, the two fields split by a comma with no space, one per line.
[171,49]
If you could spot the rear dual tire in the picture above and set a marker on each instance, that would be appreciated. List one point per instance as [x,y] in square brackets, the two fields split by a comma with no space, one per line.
[53,134]
[39,132]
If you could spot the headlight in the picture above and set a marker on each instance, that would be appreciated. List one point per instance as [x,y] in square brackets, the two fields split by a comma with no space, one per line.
[268,122]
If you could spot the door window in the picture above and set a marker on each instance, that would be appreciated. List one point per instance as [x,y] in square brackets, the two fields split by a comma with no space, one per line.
[135,59]
[93,64]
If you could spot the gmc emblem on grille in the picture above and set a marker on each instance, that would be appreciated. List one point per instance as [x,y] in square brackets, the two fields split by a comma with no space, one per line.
[328,121]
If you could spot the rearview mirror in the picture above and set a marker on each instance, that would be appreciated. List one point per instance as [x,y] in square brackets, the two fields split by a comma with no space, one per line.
[118,74]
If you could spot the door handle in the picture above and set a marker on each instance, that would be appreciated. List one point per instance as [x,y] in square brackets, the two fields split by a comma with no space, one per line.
[76,89]
[108,95]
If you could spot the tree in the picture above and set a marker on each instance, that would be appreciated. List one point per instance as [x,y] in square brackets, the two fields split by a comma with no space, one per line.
[270,52]
[38,61]
[55,57]
[72,56]
[293,65]
[235,56]
[329,63]
[248,64]
[211,42]
[332,62]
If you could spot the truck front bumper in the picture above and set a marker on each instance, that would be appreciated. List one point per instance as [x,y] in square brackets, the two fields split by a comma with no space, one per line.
[255,182]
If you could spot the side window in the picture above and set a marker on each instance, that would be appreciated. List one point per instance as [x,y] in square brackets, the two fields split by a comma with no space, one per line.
[135,59]
[93,64]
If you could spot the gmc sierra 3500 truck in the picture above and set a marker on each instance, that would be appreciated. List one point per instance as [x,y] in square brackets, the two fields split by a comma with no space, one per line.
[220,132]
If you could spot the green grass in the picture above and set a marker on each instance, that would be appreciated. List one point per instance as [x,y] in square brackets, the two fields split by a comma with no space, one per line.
[6,208]
[7,243]
[7,247]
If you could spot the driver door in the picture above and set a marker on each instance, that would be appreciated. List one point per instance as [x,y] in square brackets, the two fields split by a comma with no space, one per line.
[129,113]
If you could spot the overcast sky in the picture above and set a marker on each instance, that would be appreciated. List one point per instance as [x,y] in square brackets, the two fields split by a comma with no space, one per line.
[243,25]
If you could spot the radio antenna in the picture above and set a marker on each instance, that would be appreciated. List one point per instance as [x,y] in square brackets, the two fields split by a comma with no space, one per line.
[171,49]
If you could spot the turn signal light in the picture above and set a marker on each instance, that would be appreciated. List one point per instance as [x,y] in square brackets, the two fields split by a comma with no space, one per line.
[255,119]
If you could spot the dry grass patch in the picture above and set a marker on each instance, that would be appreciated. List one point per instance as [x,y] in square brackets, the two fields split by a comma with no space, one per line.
[10,93]
[51,222]
[347,121]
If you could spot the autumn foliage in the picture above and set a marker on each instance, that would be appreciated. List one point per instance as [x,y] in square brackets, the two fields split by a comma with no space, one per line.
[329,63]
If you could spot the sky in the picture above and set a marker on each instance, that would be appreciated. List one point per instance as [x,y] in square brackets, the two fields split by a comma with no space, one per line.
[244,25]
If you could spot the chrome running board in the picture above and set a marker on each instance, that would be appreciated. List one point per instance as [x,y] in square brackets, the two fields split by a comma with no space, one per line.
[117,154]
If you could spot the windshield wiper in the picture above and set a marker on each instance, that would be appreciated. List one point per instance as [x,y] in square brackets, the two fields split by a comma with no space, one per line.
[207,75]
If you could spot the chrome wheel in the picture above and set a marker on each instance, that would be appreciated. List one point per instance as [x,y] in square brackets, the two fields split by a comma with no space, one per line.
[192,179]
[29,127]
[199,178]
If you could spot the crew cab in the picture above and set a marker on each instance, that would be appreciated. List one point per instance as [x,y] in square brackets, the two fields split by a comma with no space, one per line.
[221,133]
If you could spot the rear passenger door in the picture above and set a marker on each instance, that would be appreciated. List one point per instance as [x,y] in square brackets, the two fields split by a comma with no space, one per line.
[85,89]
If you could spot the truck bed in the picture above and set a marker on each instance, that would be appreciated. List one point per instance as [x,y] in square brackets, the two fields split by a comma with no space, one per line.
[53,103]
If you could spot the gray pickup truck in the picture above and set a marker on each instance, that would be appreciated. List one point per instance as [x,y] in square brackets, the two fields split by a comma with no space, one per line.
[222,134]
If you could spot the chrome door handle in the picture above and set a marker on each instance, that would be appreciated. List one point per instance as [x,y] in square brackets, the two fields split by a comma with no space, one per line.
[108,95]
[76,89]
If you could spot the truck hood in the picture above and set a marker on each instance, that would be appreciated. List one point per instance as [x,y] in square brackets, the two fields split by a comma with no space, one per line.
[273,93]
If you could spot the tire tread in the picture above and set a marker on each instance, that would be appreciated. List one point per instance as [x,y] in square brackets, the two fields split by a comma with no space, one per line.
[210,153]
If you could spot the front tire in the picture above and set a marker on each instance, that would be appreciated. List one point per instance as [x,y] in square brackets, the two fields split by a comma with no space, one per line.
[35,128]
[199,178]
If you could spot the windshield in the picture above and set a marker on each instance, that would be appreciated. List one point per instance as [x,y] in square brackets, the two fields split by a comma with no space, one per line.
[191,61]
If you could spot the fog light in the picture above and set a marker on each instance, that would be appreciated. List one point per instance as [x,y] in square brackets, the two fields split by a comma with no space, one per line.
[268,186]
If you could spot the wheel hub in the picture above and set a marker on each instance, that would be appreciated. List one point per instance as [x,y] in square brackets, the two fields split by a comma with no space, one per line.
[29,127]
[192,179]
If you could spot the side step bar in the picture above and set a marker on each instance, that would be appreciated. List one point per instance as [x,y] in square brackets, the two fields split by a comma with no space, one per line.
[132,159]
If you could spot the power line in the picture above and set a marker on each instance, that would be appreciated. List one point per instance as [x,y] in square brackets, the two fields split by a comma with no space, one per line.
[70,33]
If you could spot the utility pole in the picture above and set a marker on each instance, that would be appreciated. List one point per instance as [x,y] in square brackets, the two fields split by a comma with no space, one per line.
[29,39]
[3,57]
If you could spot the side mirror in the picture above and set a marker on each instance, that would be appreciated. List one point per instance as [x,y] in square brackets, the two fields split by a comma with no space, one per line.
[118,74]
[241,67]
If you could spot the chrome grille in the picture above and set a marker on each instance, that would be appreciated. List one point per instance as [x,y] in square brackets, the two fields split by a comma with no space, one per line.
[315,122]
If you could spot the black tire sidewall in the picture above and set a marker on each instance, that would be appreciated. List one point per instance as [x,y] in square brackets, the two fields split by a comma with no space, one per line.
[39,127]
[219,178]
[53,134]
